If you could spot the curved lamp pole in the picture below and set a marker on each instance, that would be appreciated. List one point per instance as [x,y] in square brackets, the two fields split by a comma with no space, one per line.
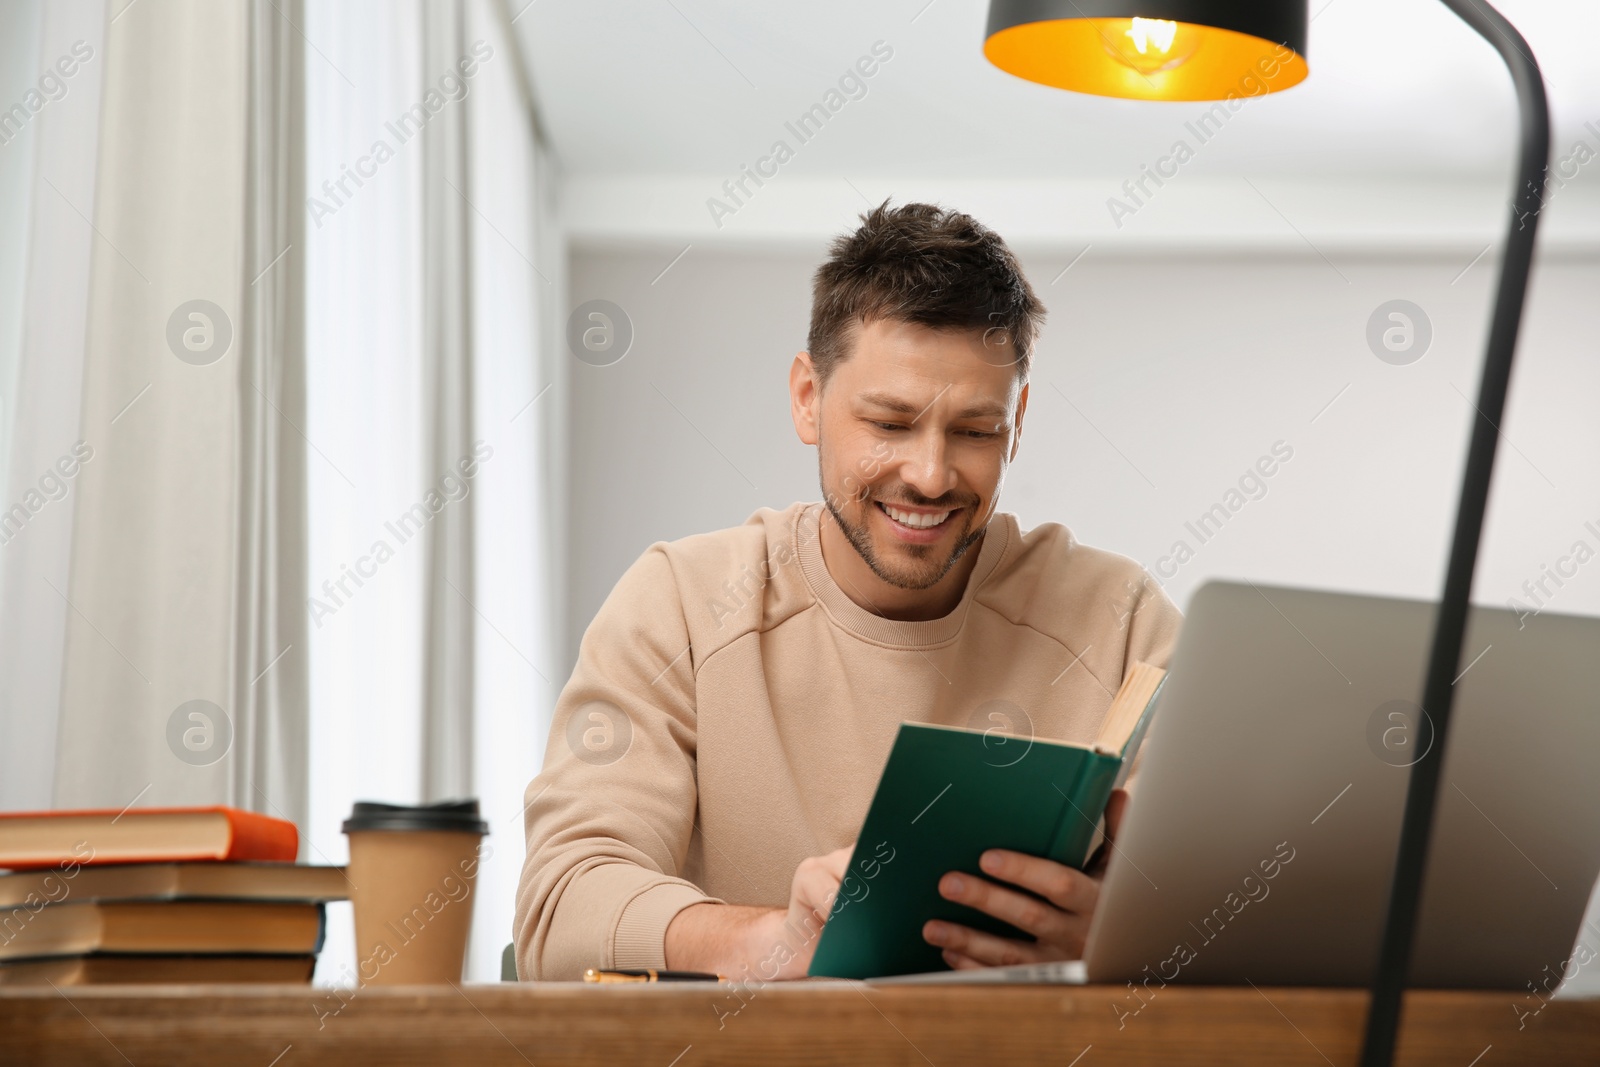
[1422,794]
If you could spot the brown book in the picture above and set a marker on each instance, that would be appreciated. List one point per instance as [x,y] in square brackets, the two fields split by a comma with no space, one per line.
[173,881]
[197,926]
[144,970]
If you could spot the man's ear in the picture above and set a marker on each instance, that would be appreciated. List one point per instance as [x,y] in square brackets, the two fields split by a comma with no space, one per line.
[805,397]
[1016,430]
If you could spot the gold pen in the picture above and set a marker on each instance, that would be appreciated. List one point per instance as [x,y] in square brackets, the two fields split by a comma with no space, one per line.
[649,974]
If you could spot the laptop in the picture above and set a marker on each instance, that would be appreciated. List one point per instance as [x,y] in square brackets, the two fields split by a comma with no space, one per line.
[1261,840]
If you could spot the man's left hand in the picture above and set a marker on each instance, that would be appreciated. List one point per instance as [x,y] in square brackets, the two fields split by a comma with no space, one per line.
[1059,923]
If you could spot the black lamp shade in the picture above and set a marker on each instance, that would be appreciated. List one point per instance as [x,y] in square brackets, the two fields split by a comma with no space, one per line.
[1151,49]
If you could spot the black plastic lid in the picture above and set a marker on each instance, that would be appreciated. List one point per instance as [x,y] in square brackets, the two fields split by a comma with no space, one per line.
[458,815]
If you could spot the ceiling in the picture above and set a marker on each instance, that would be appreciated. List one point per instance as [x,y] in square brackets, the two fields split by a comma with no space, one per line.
[677,87]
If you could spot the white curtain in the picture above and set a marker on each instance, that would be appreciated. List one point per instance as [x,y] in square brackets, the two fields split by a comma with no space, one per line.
[270,698]
[305,554]
[47,188]
[520,397]
[183,678]
[434,403]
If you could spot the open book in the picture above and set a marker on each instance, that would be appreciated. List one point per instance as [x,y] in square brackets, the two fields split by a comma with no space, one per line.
[946,796]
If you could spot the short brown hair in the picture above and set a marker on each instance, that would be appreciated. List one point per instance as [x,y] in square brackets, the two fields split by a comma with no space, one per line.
[922,264]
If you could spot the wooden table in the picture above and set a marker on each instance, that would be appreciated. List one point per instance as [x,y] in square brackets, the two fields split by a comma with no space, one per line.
[802,1023]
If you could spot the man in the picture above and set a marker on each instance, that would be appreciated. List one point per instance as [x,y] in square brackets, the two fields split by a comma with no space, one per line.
[715,751]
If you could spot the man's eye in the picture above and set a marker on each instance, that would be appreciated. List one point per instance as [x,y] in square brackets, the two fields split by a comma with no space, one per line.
[980,435]
[888,426]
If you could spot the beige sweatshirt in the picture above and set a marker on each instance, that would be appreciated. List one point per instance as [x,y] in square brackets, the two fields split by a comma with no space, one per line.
[732,708]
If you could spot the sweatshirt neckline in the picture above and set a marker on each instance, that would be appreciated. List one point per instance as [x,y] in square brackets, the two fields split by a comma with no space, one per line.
[873,627]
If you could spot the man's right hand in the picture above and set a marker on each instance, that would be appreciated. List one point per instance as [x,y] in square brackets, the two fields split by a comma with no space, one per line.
[811,894]
[771,944]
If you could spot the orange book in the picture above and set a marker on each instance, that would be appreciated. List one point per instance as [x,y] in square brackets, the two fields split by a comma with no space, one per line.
[33,839]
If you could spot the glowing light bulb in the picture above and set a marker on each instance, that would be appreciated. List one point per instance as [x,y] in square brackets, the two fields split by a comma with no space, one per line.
[1149,46]
[1152,35]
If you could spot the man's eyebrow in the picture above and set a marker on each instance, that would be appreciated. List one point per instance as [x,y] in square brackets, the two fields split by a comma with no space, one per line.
[987,409]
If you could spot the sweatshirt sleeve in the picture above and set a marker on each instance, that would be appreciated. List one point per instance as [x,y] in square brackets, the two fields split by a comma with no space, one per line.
[609,819]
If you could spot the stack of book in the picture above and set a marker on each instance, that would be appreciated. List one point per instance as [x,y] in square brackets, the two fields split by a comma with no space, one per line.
[158,895]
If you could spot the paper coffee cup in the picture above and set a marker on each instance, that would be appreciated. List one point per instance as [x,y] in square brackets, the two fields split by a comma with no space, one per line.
[412,871]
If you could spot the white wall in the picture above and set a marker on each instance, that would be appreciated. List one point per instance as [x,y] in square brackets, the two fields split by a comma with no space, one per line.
[1160,378]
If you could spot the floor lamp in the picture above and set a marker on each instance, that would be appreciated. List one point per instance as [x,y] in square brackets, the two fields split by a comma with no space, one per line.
[1218,50]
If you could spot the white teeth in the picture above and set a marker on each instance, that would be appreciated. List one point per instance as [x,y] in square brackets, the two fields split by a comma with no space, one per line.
[914,519]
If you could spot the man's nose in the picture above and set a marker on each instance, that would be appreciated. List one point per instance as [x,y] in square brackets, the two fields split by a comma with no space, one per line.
[925,464]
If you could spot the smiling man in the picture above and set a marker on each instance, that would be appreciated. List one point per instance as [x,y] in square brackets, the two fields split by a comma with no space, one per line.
[716,749]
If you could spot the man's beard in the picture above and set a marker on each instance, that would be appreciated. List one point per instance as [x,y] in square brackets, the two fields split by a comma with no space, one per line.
[926,570]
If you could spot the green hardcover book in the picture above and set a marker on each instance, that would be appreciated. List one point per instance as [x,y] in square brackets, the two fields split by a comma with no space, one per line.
[946,796]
